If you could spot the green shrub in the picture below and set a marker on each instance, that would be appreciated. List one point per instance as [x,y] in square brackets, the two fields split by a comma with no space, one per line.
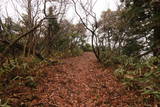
[144,77]
[76,51]
[16,69]
[108,57]
[112,58]
[119,73]
[87,48]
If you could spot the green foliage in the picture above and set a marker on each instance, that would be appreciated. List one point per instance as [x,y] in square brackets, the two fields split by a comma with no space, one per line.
[76,51]
[87,47]
[143,21]
[30,82]
[4,105]
[111,58]
[143,77]
[108,57]
[19,69]
[132,47]
[119,73]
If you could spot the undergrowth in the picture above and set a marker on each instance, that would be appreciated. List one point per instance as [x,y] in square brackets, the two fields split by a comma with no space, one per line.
[25,72]
[140,75]
[19,72]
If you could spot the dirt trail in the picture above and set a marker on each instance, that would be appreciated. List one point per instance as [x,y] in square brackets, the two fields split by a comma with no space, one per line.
[81,82]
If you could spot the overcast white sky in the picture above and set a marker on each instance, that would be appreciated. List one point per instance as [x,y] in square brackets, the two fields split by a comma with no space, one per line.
[100,6]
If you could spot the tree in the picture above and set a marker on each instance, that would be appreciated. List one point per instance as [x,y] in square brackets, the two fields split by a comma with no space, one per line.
[144,20]
[30,24]
[30,21]
[89,21]
[52,29]
[111,29]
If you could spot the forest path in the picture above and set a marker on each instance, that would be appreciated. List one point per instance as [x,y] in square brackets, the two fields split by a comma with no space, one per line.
[81,82]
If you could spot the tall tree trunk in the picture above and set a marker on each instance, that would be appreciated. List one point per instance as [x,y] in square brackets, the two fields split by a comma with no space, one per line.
[29,43]
[95,50]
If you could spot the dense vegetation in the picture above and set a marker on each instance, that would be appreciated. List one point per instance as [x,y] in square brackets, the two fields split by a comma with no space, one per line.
[128,40]
[132,37]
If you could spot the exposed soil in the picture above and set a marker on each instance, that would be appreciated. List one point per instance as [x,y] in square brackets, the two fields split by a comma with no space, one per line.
[79,82]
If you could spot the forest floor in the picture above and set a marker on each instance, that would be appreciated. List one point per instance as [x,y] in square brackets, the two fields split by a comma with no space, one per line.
[79,82]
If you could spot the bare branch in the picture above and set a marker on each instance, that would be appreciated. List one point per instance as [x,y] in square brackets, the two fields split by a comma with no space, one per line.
[23,35]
